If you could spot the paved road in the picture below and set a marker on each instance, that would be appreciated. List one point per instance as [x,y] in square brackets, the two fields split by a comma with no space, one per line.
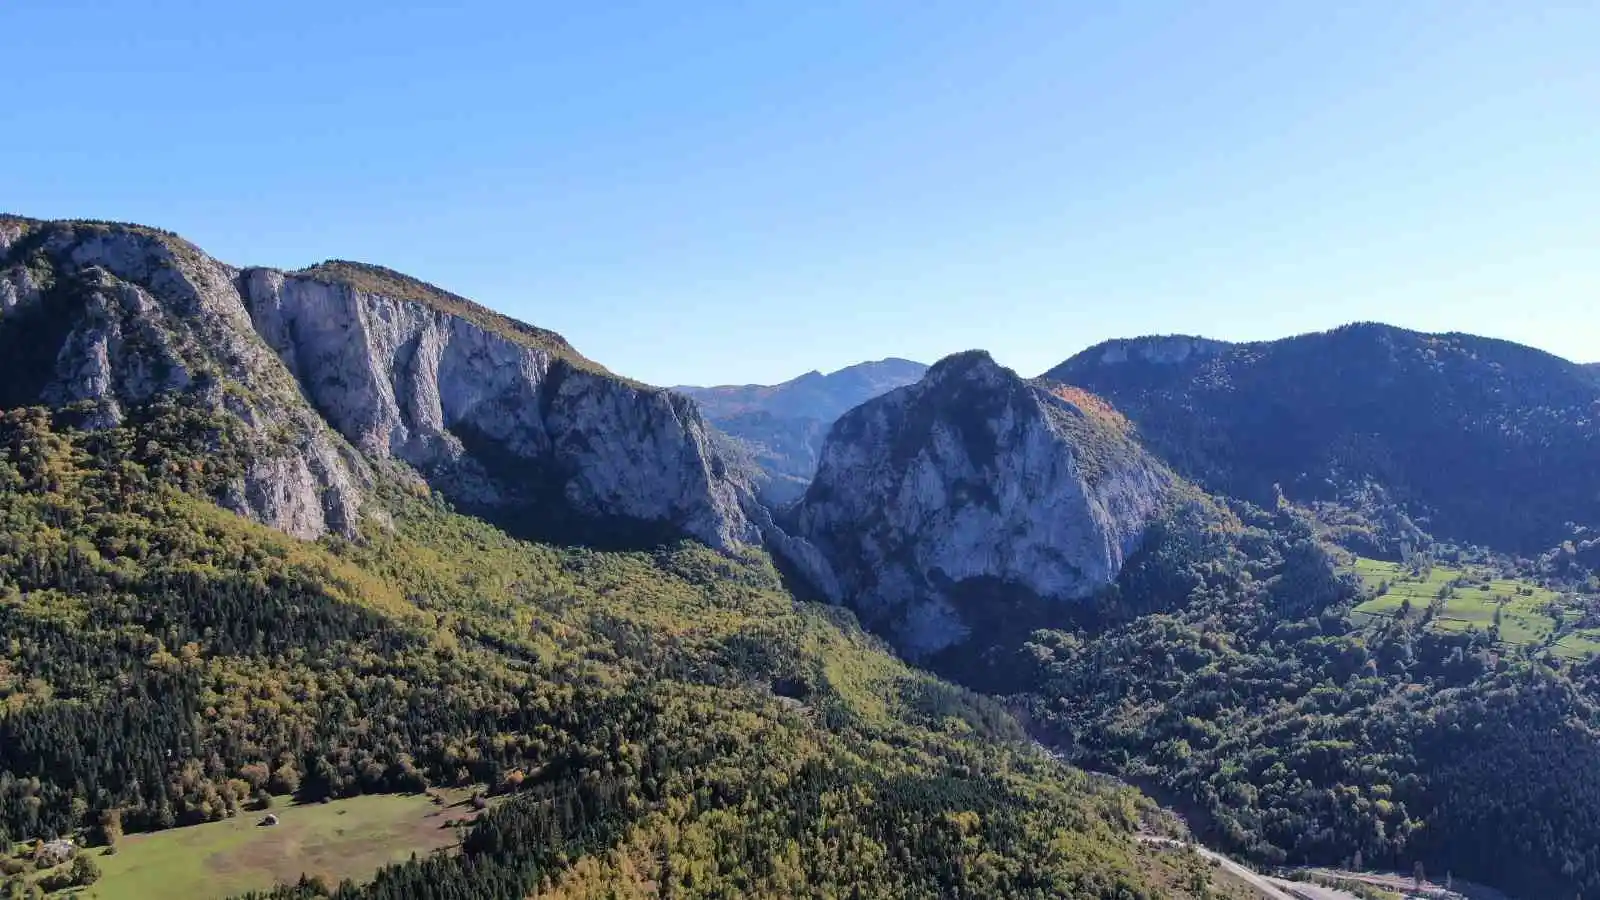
[1267,888]
[1270,888]
[1313,891]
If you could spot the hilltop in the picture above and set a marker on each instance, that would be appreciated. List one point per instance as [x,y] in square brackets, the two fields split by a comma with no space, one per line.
[1476,440]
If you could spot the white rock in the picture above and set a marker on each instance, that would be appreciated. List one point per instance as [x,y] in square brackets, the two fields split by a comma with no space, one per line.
[971,477]
[490,419]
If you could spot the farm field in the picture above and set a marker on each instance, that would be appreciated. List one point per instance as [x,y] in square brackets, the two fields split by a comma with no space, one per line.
[349,838]
[1525,618]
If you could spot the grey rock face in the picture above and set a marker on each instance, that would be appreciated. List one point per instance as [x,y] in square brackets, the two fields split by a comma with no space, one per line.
[492,421]
[969,483]
[142,319]
[129,315]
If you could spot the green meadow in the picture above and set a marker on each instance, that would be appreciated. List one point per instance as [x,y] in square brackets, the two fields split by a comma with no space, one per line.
[1472,600]
[343,839]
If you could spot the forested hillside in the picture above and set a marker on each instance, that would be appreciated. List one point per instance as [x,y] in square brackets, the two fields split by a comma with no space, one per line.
[232,569]
[1249,699]
[1481,441]
[671,717]
[229,573]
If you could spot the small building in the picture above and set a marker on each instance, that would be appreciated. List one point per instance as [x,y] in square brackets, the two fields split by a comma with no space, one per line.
[54,853]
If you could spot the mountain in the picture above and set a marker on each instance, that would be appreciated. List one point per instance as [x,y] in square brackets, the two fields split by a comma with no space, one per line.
[1018,536]
[810,396]
[974,496]
[1478,440]
[231,571]
[506,419]
[339,532]
[780,428]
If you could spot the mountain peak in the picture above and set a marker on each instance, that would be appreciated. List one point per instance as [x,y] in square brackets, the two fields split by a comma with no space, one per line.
[946,501]
[329,375]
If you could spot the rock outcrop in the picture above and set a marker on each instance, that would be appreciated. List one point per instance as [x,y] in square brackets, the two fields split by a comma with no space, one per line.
[498,418]
[970,485]
[498,415]
[108,318]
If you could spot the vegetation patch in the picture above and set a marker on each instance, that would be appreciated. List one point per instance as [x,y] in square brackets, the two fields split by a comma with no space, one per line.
[1515,612]
[670,718]
[349,838]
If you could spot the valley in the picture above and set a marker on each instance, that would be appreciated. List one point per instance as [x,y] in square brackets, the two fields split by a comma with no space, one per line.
[330,539]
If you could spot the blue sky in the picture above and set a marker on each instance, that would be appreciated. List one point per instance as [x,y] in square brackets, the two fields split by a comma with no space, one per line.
[745,191]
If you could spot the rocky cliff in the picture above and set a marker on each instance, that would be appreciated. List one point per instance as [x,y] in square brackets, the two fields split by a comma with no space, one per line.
[499,416]
[950,500]
[106,319]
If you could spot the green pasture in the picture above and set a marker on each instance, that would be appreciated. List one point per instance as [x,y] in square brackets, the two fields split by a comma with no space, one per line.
[1524,607]
[343,839]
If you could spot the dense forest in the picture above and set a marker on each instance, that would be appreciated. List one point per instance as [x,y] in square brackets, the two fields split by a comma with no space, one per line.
[1482,441]
[670,716]
[1252,703]
[667,720]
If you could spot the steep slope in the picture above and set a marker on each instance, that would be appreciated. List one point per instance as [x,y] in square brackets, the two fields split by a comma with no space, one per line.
[110,320]
[671,718]
[1479,440]
[781,427]
[504,418]
[974,496]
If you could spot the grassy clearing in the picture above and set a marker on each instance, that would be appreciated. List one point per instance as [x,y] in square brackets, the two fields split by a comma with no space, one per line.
[1463,599]
[344,839]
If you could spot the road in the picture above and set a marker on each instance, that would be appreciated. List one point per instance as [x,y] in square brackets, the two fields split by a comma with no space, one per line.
[1313,891]
[1269,888]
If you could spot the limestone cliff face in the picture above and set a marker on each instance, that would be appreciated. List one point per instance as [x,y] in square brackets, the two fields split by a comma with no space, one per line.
[974,483]
[497,414]
[109,318]
[495,419]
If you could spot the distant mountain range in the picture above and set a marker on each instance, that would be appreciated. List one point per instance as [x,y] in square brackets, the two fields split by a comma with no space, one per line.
[781,427]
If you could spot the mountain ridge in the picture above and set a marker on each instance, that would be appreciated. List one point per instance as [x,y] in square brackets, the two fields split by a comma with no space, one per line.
[854,383]
[1034,537]
[235,567]
[506,418]
[1457,428]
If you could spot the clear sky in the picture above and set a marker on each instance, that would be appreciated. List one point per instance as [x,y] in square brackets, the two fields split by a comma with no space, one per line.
[717,192]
